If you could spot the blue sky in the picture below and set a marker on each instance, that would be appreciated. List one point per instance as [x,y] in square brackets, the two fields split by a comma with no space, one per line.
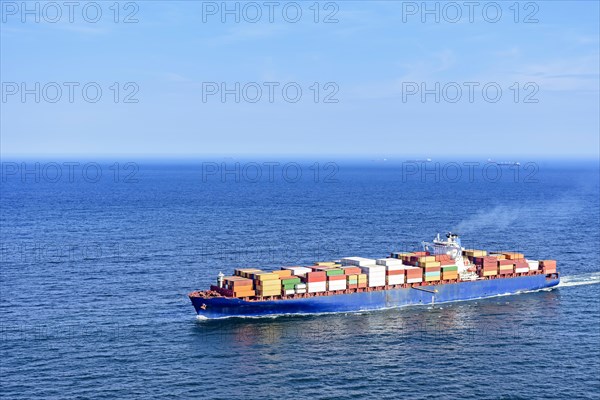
[370,55]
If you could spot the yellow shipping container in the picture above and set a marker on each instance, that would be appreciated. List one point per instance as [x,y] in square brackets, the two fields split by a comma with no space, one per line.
[424,259]
[432,278]
[325,263]
[268,288]
[475,253]
[282,273]
[452,275]
[250,274]
[490,273]
[245,272]
[267,276]
[269,284]
[430,264]
[278,293]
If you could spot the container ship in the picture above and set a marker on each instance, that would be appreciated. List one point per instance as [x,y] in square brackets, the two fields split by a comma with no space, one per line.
[443,272]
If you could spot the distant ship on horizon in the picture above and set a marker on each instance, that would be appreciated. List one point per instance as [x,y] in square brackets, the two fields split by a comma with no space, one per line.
[504,162]
[423,160]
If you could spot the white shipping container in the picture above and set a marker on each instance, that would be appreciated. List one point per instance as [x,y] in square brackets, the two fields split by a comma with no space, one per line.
[379,281]
[414,280]
[290,291]
[299,291]
[358,261]
[314,287]
[395,267]
[533,265]
[298,271]
[300,286]
[395,279]
[521,270]
[388,262]
[336,285]
[371,269]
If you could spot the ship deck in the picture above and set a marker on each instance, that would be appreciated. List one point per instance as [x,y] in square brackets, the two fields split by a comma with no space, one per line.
[216,292]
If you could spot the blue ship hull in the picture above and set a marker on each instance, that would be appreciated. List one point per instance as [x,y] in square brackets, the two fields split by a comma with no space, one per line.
[219,307]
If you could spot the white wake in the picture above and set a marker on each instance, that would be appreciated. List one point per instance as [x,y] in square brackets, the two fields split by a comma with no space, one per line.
[577,280]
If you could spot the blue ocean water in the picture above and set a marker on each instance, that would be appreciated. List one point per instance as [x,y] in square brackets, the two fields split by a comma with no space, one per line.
[97,264]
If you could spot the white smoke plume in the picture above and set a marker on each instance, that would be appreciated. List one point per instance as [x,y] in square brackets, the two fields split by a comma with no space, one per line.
[503,216]
[500,217]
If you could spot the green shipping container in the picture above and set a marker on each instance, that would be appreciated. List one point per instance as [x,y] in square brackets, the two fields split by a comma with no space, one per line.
[450,268]
[290,280]
[333,272]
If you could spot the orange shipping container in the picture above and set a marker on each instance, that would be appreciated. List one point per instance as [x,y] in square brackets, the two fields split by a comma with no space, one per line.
[548,263]
[351,270]
[396,272]
[282,273]
[513,256]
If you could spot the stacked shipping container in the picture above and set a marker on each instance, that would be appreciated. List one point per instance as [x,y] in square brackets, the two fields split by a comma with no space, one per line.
[268,284]
[316,281]
[359,272]
[548,266]
[239,286]
[375,275]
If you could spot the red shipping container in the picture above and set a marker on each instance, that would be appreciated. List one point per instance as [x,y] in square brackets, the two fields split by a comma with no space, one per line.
[443,257]
[447,262]
[336,278]
[317,276]
[548,263]
[398,272]
[521,263]
[351,270]
[421,253]
[484,260]
[414,273]
[505,262]
[548,266]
